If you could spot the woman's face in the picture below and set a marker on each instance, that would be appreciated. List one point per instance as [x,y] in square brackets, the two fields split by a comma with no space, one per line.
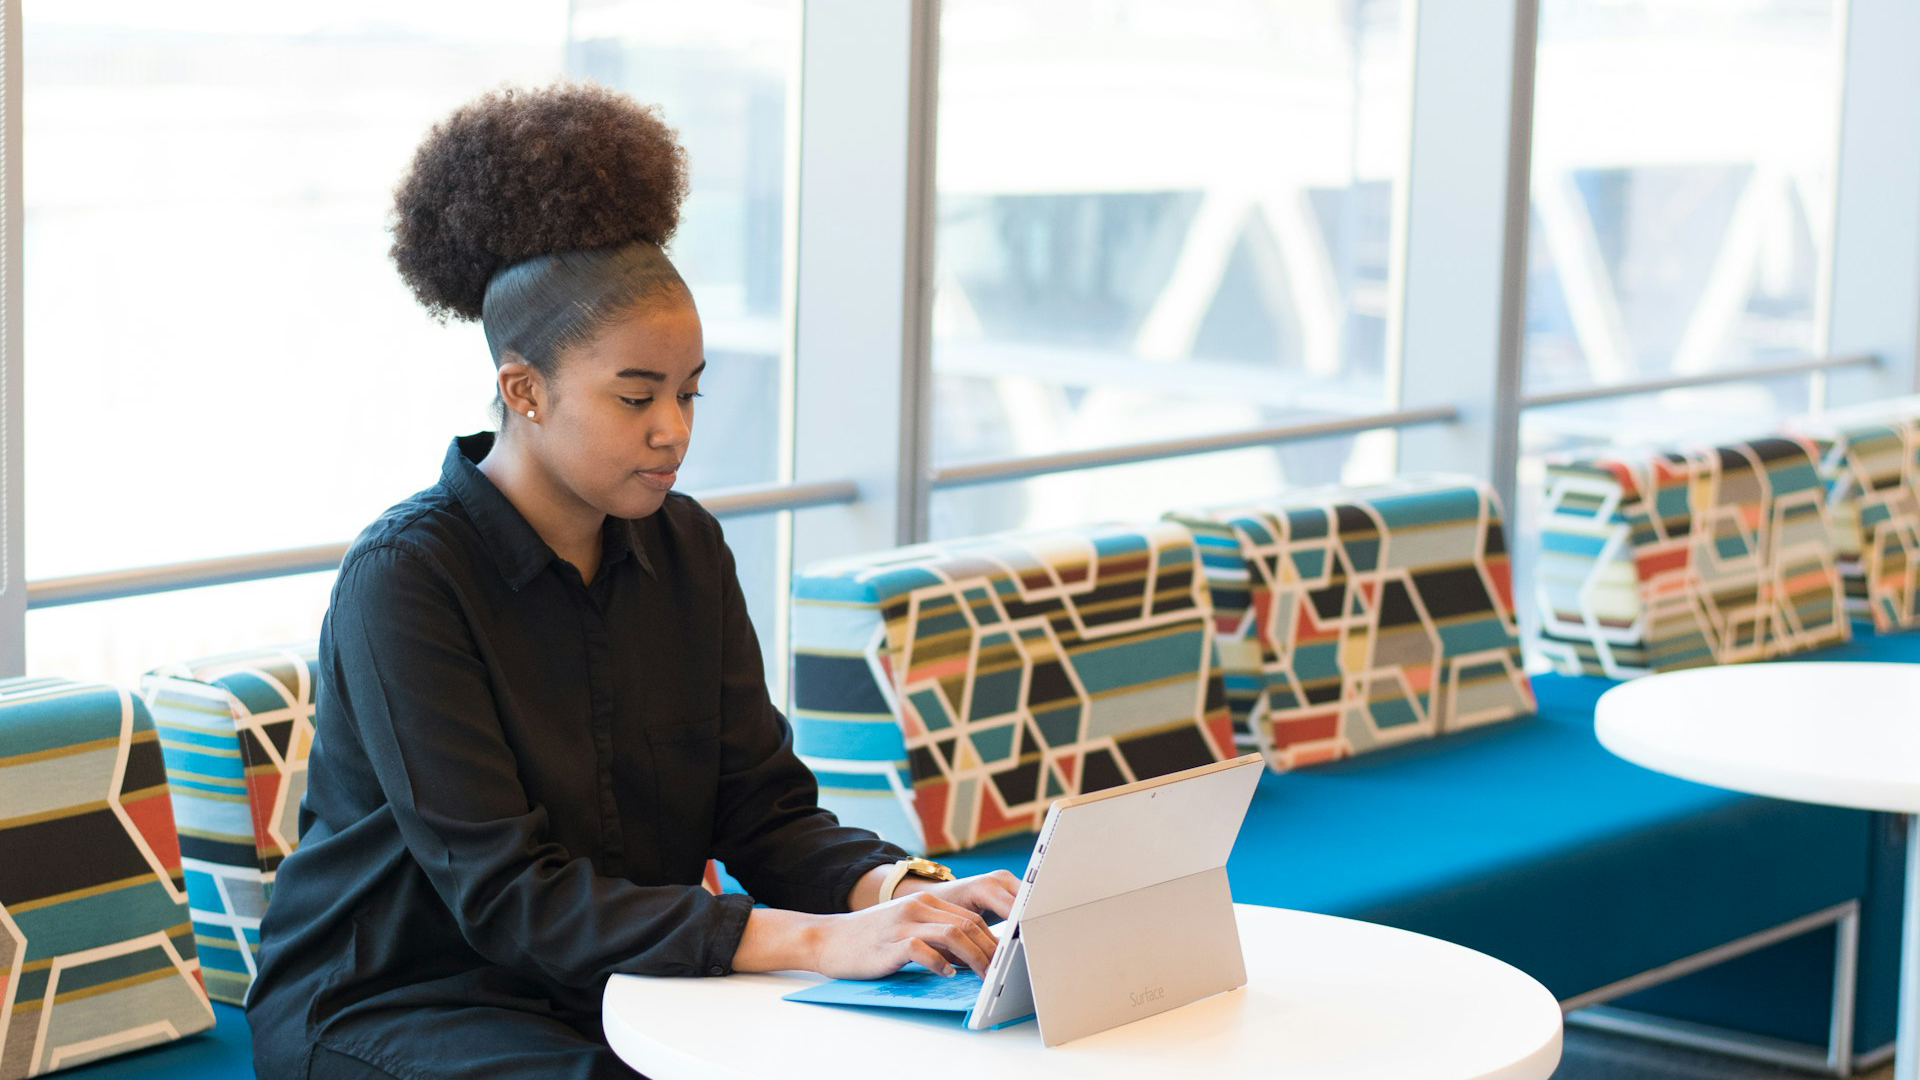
[619,413]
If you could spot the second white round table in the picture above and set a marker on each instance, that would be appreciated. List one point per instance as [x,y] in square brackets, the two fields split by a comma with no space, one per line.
[1837,734]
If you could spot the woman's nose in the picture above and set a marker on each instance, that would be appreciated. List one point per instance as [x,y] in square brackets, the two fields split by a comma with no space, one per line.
[674,431]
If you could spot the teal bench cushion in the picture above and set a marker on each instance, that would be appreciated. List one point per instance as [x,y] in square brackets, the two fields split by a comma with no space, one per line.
[236,730]
[1350,620]
[1870,462]
[944,694]
[1655,560]
[97,954]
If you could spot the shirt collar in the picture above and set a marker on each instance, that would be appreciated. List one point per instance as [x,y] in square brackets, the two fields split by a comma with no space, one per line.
[514,544]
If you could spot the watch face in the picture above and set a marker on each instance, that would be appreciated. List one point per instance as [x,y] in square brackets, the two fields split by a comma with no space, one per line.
[930,869]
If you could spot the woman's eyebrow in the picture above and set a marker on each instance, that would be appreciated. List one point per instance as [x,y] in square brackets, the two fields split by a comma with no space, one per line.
[654,376]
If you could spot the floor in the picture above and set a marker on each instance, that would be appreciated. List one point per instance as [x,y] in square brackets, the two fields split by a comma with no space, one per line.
[1596,1055]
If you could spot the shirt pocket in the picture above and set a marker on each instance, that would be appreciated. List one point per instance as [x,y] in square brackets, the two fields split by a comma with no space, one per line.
[686,783]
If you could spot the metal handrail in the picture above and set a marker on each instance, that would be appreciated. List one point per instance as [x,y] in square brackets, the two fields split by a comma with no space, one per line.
[1019,468]
[755,499]
[743,501]
[143,580]
[1682,382]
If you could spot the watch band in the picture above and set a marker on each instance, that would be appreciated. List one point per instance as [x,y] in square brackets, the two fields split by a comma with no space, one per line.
[895,875]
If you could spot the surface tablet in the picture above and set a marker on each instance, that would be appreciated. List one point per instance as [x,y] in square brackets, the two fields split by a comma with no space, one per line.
[1142,864]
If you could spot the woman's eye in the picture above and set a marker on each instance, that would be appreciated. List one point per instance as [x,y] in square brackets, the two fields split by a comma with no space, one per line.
[641,403]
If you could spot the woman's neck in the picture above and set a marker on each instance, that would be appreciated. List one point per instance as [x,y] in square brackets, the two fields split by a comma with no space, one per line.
[569,526]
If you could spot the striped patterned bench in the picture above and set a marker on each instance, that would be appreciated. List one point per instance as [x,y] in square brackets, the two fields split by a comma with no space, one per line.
[96,951]
[1351,619]
[1665,559]
[236,730]
[1870,463]
[945,694]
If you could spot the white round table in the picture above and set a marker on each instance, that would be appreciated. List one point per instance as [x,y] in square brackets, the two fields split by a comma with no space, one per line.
[1839,734]
[1326,999]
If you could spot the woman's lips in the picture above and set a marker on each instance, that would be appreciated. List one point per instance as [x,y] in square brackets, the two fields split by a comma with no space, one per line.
[658,479]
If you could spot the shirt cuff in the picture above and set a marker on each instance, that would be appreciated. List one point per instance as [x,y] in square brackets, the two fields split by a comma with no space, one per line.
[734,909]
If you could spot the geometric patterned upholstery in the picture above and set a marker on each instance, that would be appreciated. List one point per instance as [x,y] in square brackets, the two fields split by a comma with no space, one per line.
[1659,560]
[236,731]
[1872,472]
[96,951]
[1353,619]
[944,694]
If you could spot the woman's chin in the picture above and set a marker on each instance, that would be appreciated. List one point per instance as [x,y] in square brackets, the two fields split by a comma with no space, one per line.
[637,504]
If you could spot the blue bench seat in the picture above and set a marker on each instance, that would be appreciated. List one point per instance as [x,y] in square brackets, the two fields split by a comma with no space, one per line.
[1532,843]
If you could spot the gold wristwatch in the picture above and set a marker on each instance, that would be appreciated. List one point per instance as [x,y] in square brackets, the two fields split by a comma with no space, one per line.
[916,867]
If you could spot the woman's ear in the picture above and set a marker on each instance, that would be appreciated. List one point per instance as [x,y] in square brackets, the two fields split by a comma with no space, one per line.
[522,389]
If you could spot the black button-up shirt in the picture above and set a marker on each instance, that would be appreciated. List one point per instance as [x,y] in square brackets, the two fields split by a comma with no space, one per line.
[517,777]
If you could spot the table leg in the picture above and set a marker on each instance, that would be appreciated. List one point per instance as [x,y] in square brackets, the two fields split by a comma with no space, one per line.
[1906,1059]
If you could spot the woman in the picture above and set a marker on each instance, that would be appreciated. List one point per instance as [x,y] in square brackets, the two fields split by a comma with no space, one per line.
[541,707]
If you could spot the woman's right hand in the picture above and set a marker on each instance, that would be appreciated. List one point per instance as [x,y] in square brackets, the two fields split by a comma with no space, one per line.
[866,944]
[918,928]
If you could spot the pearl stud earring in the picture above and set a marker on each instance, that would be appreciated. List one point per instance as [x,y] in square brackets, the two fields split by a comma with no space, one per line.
[529,414]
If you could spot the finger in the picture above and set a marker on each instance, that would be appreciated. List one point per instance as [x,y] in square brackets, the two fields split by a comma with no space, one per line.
[963,943]
[996,893]
[931,908]
[937,907]
[958,949]
[978,930]
[928,957]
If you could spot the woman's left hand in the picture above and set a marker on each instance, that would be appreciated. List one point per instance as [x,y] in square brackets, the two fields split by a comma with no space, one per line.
[989,894]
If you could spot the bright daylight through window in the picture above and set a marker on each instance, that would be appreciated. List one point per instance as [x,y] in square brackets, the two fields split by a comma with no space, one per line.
[220,344]
[1155,276]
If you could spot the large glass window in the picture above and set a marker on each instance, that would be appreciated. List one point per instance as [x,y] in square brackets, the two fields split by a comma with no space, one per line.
[1157,220]
[1682,201]
[1683,158]
[1154,220]
[221,358]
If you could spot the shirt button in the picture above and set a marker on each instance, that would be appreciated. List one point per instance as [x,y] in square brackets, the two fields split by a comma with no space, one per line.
[716,970]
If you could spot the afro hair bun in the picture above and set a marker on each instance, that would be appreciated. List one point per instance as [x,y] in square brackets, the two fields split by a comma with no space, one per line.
[519,173]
